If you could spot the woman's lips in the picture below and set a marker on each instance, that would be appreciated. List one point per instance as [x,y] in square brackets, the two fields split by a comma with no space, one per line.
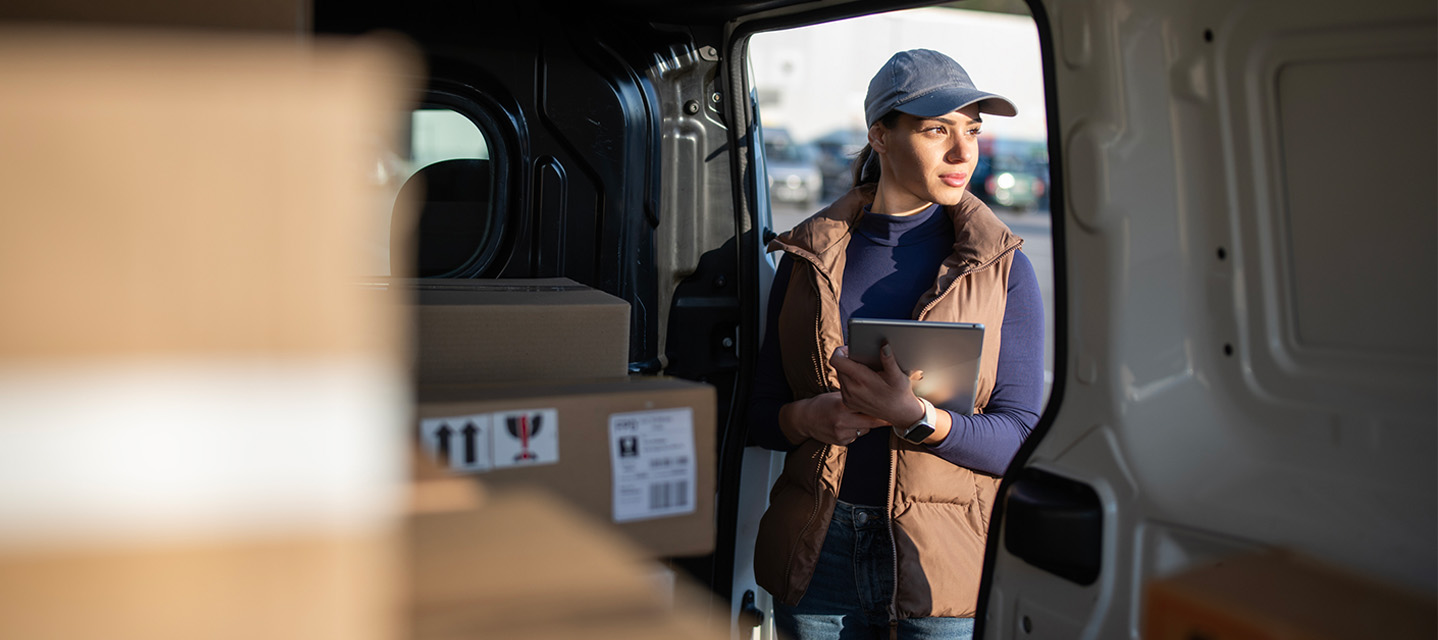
[955,179]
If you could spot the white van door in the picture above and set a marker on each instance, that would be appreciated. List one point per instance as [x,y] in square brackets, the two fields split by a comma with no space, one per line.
[1246,306]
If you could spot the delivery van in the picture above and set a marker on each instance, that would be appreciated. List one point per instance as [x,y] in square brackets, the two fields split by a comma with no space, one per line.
[1242,285]
[1244,335]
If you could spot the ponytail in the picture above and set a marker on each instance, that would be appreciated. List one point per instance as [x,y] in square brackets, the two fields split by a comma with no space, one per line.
[866,167]
[866,163]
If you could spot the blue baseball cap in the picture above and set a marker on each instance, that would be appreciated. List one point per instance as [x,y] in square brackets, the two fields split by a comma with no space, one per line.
[926,83]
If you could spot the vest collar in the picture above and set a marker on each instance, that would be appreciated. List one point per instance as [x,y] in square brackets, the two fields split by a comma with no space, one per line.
[979,236]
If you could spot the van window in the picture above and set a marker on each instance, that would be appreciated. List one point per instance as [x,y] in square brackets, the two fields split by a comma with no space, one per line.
[443,134]
[811,82]
[446,178]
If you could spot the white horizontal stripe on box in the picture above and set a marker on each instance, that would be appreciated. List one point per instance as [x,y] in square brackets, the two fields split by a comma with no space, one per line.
[132,450]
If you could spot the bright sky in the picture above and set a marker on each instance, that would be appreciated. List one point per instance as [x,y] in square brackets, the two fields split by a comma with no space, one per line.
[813,80]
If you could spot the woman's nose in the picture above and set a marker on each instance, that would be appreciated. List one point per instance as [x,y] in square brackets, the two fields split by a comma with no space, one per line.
[960,151]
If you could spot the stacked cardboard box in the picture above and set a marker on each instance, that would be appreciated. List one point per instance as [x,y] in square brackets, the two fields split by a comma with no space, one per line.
[521,564]
[505,330]
[547,480]
[637,454]
[523,382]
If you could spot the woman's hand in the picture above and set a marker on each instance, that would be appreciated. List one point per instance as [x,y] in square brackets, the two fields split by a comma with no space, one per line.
[824,418]
[887,394]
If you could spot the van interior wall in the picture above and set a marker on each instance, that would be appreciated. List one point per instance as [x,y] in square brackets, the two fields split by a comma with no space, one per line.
[620,173]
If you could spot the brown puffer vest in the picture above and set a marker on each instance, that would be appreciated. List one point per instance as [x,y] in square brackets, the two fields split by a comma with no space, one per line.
[939,511]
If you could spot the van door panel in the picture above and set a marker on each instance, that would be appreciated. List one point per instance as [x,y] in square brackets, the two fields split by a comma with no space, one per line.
[1251,293]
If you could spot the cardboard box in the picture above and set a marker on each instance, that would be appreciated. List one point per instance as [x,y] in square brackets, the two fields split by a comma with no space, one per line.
[314,587]
[183,212]
[636,453]
[476,331]
[1279,595]
[522,564]
[211,222]
[283,16]
[517,559]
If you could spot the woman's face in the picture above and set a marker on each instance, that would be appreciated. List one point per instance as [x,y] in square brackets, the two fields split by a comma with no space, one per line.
[926,160]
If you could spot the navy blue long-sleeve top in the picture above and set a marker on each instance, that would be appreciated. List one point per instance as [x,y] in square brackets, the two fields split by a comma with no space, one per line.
[891,260]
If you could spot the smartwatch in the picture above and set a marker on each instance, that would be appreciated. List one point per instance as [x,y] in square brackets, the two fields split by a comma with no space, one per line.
[923,428]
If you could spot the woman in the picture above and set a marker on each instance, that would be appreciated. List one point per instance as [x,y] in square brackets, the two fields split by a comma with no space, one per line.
[868,532]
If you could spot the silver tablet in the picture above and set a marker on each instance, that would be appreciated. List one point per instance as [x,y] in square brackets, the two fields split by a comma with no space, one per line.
[947,352]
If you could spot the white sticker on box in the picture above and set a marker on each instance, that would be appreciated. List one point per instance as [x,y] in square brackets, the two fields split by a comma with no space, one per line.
[526,438]
[652,456]
[460,443]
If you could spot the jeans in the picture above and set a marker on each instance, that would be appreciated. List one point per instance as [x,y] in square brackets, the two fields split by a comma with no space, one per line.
[849,596]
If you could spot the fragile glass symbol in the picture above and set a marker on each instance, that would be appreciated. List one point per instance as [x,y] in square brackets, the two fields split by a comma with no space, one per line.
[524,427]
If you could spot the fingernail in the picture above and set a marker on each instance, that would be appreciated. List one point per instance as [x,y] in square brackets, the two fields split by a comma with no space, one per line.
[888,351]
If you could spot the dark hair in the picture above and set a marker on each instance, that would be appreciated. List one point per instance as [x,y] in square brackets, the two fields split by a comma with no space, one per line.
[889,120]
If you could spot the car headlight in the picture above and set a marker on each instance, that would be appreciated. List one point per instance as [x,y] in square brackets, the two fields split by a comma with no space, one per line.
[1006,181]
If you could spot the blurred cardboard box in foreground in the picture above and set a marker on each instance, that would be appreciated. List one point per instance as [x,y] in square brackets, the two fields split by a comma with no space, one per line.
[200,419]
[278,16]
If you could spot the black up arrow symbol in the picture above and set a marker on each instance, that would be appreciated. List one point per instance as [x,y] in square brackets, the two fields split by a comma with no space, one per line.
[471,453]
[442,443]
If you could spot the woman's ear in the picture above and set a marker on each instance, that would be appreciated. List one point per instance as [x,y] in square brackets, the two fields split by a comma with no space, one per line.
[877,135]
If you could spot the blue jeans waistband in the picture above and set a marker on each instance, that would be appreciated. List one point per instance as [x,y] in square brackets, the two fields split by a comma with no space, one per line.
[859,516]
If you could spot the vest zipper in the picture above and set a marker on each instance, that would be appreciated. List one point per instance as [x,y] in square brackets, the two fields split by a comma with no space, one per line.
[813,513]
[823,453]
[817,358]
[932,303]
[894,454]
[818,349]
[893,544]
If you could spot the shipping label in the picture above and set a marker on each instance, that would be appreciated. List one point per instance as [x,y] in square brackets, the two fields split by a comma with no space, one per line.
[652,457]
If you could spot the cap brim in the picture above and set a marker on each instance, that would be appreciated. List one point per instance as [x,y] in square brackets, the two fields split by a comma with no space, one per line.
[942,102]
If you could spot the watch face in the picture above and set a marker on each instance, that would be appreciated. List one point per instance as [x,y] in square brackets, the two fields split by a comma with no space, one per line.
[918,432]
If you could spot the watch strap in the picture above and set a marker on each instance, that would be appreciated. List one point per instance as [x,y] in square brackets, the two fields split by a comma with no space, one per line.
[924,426]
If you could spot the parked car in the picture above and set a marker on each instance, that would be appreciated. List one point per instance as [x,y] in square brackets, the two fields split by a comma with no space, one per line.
[836,159]
[1014,183]
[793,167]
[1012,173]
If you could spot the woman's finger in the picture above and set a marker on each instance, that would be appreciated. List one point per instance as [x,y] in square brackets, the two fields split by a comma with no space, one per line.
[846,367]
[891,371]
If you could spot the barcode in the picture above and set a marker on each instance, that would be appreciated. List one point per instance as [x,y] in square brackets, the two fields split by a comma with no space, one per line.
[669,495]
